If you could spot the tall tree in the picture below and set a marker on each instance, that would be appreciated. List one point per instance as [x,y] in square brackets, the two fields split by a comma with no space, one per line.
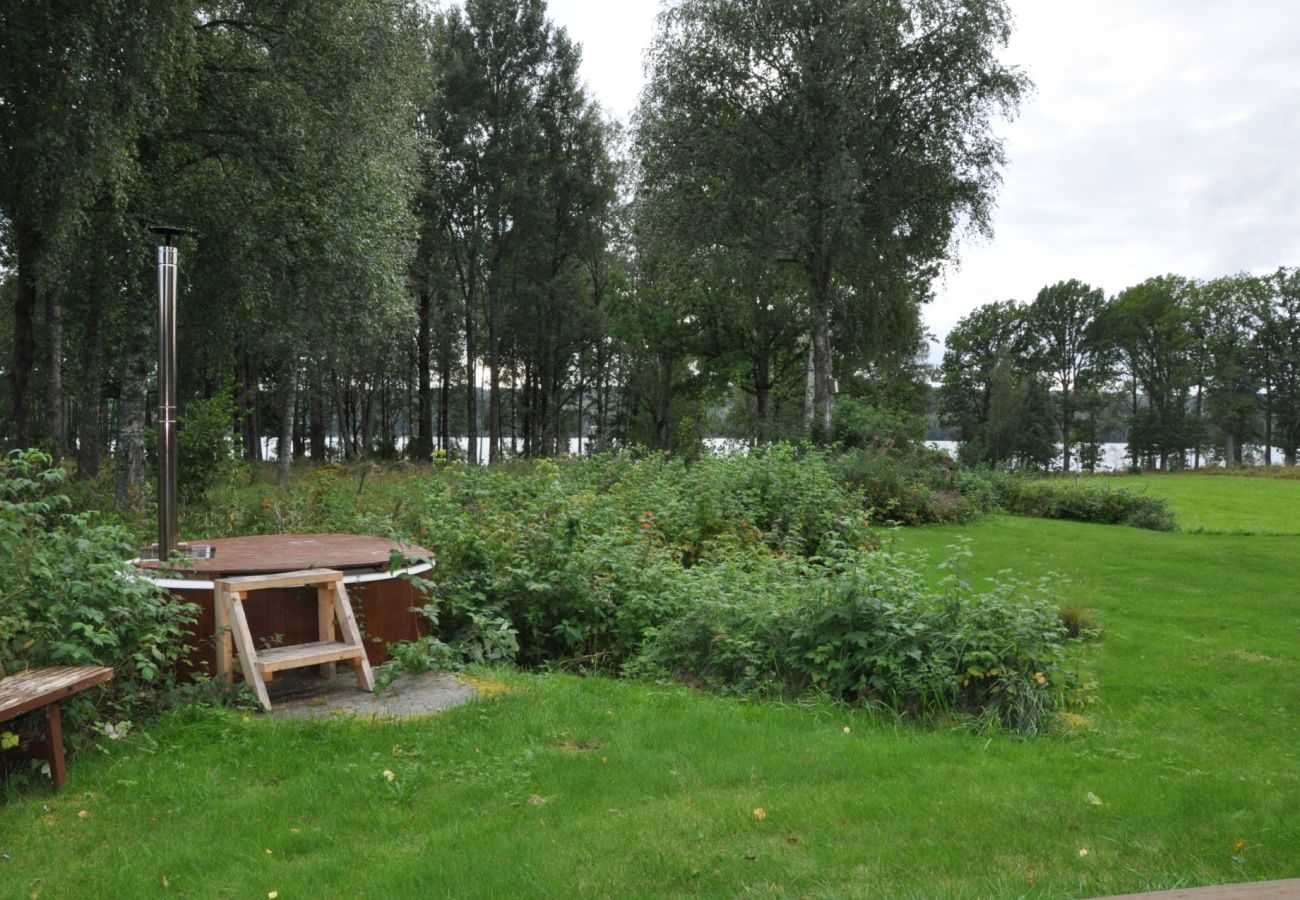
[990,390]
[1224,308]
[1282,335]
[847,138]
[1068,346]
[1149,323]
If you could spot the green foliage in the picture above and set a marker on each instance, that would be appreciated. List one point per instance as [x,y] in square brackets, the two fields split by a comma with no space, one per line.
[1088,502]
[205,446]
[877,633]
[583,558]
[64,599]
[858,425]
[924,488]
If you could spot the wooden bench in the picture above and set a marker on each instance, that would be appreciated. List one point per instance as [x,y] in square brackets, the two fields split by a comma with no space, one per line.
[32,689]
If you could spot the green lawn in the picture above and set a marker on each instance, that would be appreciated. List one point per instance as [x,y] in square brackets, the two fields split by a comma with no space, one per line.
[1225,503]
[1187,773]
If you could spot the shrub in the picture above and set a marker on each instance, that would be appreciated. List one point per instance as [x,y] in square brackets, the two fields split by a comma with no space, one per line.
[1088,502]
[876,633]
[204,446]
[1080,622]
[918,489]
[65,601]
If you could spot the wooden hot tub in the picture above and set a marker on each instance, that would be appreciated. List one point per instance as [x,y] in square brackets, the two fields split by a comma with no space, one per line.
[381,597]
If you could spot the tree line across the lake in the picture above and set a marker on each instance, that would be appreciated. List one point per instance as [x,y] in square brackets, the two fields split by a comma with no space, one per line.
[1191,370]
[414,225]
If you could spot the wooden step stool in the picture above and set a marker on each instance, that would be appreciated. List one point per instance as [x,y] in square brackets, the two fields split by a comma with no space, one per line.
[229,596]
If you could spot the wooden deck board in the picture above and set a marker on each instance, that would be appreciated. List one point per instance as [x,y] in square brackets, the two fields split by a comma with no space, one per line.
[274,553]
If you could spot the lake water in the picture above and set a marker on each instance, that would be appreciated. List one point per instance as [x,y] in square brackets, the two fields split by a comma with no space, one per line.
[1114,457]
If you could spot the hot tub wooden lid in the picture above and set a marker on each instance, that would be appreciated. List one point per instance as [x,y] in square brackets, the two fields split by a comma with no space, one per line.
[263,553]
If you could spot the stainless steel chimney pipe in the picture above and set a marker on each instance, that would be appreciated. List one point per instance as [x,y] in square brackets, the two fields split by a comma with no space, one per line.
[167,536]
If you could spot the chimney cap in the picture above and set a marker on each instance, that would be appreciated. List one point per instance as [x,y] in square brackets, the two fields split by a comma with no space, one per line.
[169,231]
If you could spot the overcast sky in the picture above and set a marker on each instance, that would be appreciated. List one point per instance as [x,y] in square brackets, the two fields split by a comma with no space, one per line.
[1162,136]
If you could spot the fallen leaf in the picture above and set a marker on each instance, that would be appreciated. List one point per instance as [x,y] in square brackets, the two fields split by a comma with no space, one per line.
[760,813]
[83,814]
[1092,798]
[166,883]
[271,895]
[538,800]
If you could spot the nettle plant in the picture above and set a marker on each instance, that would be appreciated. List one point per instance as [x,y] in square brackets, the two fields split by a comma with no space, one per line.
[66,600]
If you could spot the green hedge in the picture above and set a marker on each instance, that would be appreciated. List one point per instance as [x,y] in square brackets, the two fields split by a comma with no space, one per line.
[1087,502]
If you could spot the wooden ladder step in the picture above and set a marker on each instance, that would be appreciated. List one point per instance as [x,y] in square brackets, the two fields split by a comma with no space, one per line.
[333,606]
[295,656]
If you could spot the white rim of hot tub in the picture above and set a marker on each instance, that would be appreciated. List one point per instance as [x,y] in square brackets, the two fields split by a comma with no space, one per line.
[186,584]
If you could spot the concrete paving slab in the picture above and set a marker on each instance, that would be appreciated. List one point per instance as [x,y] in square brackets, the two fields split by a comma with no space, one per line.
[302,696]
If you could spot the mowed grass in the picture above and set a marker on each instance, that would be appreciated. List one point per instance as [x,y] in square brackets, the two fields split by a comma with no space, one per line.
[1224,503]
[1186,771]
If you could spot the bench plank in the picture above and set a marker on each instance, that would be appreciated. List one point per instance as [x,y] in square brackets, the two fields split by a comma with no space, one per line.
[31,689]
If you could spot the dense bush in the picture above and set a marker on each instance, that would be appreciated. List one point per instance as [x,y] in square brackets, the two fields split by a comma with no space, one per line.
[749,574]
[1091,501]
[919,488]
[65,601]
[583,557]
[876,632]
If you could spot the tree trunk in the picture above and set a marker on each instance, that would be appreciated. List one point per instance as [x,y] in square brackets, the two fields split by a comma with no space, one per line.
[90,426]
[246,404]
[762,393]
[823,383]
[53,366]
[288,400]
[444,397]
[26,243]
[664,420]
[494,368]
[602,394]
[131,420]
[809,411]
[471,382]
[514,413]
[299,428]
[1229,448]
[1067,426]
[423,448]
[1268,421]
[1196,455]
[316,422]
